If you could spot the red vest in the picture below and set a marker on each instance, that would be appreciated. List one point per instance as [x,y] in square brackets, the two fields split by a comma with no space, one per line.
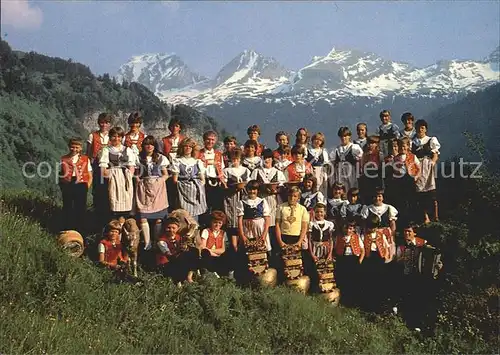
[129,142]
[420,242]
[293,175]
[167,144]
[340,245]
[96,144]
[217,161]
[212,240]
[379,240]
[278,154]
[112,253]
[371,158]
[173,245]
[412,168]
[82,169]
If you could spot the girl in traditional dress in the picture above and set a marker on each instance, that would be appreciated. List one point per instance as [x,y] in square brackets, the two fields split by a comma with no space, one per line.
[234,179]
[282,156]
[361,130]
[408,129]
[310,194]
[427,151]
[296,171]
[317,155]
[230,143]
[189,176]
[251,160]
[387,131]
[117,164]
[301,139]
[351,211]
[345,159]
[271,180]
[371,169]
[336,204]
[389,177]
[151,191]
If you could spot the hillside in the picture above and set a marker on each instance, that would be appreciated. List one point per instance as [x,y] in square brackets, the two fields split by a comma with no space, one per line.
[44,101]
[477,114]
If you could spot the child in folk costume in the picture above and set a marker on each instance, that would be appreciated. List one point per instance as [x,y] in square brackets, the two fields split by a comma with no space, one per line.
[371,169]
[75,179]
[296,171]
[406,169]
[349,254]
[361,130]
[110,250]
[310,195]
[292,220]
[189,177]
[302,139]
[389,176]
[251,160]
[386,131]
[351,211]
[172,258]
[377,254]
[214,165]
[387,215]
[345,159]
[282,155]
[336,204]
[235,178]
[168,148]
[320,236]
[318,157]
[212,244]
[117,164]
[134,137]
[408,129]
[95,142]
[271,179]
[151,191]
[427,151]
[253,133]
[230,143]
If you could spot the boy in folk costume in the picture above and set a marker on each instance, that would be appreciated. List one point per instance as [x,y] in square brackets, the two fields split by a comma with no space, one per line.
[317,155]
[214,165]
[320,236]
[230,143]
[296,171]
[117,164]
[235,178]
[282,155]
[406,169]
[110,250]
[361,130]
[292,220]
[75,179]
[253,133]
[349,254]
[390,183]
[345,160]
[371,169]
[189,178]
[212,245]
[95,142]
[386,131]
[427,151]
[251,159]
[271,180]
[173,259]
[168,148]
[377,254]
[151,190]
[134,137]
[408,129]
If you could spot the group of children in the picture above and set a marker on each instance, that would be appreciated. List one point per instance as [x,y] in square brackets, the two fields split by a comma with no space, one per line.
[344,205]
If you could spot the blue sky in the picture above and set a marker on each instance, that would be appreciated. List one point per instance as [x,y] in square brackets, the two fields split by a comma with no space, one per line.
[207,35]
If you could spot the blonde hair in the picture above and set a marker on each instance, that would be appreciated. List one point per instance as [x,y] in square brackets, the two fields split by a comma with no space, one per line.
[186,142]
[319,136]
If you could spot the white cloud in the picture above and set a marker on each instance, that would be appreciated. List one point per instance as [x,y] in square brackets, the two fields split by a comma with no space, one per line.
[172,6]
[20,14]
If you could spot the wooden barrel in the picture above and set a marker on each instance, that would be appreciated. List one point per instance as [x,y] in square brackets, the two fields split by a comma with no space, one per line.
[72,242]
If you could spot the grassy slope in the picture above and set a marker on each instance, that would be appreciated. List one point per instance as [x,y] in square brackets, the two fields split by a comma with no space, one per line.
[52,303]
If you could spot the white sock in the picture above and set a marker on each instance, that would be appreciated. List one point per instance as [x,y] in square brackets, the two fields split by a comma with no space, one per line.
[146,234]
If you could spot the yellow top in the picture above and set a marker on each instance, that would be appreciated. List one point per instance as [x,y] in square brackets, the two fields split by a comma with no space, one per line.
[291,219]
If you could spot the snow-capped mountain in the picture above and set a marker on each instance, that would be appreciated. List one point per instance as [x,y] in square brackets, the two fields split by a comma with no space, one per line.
[342,86]
[158,72]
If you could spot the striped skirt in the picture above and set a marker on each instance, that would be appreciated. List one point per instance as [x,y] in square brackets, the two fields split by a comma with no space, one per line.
[192,196]
[120,190]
